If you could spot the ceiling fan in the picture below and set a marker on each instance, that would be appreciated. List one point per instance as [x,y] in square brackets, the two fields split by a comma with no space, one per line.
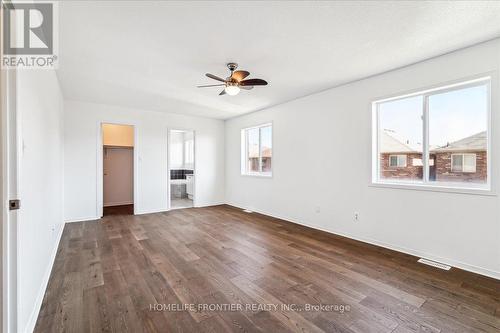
[235,81]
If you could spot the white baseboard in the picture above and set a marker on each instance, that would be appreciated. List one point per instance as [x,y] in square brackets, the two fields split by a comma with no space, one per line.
[454,263]
[30,326]
[420,254]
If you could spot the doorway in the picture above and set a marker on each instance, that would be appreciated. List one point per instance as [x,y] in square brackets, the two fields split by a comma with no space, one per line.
[181,168]
[118,169]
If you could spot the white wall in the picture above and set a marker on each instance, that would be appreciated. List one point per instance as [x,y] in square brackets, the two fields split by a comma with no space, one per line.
[322,158]
[81,123]
[40,220]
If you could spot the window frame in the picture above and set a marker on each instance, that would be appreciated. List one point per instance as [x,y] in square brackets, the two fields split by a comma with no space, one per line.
[463,162]
[244,151]
[425,183]
[397,161]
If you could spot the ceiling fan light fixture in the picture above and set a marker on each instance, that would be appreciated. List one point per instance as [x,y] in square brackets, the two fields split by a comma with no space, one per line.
[232,90]
[236,81]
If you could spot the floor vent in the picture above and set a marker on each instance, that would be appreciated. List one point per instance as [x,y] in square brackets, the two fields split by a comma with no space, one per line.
[247,211]
[434,264]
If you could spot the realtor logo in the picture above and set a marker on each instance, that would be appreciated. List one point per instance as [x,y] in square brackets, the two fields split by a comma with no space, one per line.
[29,31]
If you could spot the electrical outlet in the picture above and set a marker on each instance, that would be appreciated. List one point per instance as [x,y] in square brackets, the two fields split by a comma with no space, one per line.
[356,216]
[317,209]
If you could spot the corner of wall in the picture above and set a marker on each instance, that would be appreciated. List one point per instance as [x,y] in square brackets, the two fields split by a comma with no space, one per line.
[30,325]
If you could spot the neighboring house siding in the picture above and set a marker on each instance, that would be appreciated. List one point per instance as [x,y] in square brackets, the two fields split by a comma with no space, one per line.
[444,173]
[410,172]
[440,159]
[441,171]
[254,163]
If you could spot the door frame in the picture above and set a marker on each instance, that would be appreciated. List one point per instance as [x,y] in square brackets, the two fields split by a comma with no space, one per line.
[100,165]
[10,166]
[169,130]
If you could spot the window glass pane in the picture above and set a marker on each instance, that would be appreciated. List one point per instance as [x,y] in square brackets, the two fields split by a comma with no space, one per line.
[402,160]
[400,133]
[470,163]
[266,148]
[456,162]
[394,161]
[458,125]
[253,150]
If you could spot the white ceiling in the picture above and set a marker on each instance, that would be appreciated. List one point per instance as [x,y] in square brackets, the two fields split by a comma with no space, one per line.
[152,54]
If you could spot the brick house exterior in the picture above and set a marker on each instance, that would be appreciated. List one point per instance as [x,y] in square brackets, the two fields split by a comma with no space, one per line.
[253,159]
[445,173]
[474,146]
[440,160]
[391,146]
[410,171]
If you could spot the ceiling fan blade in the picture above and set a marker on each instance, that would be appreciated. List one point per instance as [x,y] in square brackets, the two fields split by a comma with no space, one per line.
[211,85]
[240,75]
[253,82]
[246,87]
[223,92]
[215,77]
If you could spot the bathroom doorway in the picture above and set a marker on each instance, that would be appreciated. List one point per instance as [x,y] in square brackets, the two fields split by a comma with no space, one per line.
[181,168]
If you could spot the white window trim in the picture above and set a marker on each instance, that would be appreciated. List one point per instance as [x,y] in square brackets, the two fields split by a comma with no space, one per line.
[397,162]
[426,184]
[463,162]
[244,152]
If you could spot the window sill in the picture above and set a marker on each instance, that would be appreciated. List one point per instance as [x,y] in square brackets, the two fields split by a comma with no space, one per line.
[446,188]
[258,175]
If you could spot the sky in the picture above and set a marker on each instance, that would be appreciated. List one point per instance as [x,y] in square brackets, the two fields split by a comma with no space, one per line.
[266,137]
[452,116]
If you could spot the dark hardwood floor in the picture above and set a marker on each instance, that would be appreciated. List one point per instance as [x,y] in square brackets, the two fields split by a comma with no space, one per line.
[118,210]
[121,273]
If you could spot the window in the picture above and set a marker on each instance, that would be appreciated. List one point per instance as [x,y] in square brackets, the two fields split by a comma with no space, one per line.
[189,152]
[257,150]
[463,163]
[443,133]
[176,150]
[398,161]
[400,135]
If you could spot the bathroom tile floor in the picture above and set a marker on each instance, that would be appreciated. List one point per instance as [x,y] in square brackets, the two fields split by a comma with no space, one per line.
[181,203]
